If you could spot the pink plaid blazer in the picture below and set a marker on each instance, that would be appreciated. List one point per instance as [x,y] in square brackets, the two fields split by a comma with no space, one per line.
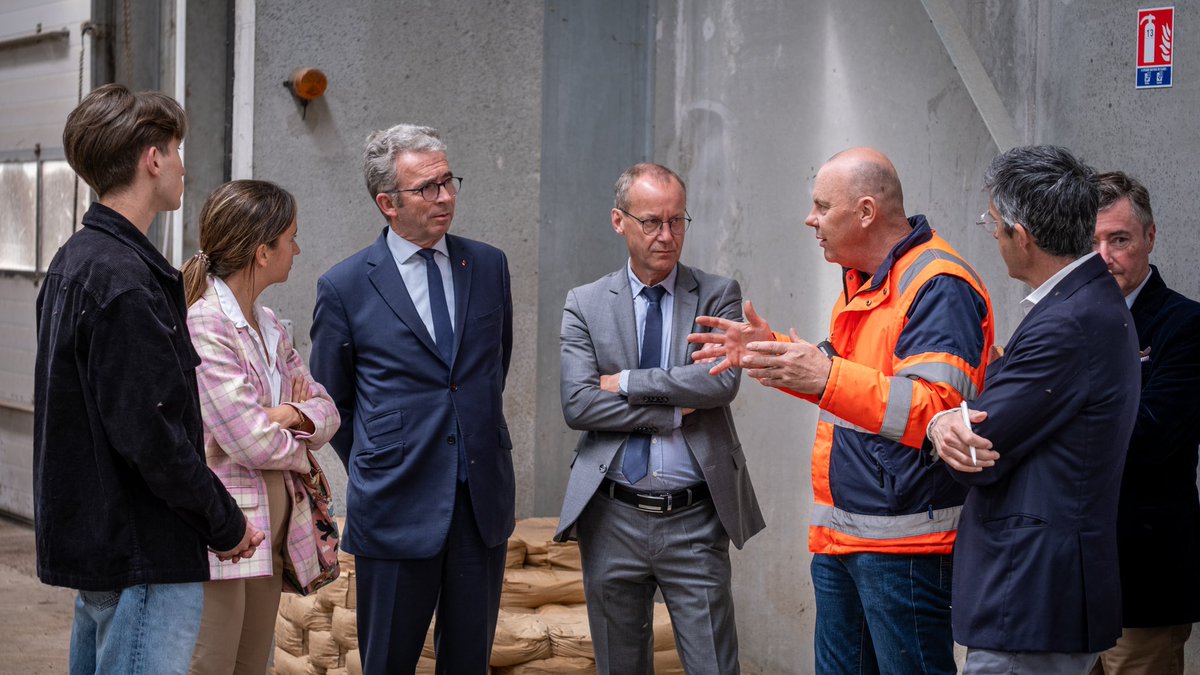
[239,442]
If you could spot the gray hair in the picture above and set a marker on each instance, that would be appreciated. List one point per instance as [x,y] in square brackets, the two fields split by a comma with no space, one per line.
[379,156]
[655,171]
[1116,185]
[1050,192]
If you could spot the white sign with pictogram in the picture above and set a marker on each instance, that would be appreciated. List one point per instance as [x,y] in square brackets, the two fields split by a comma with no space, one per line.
[1155,47]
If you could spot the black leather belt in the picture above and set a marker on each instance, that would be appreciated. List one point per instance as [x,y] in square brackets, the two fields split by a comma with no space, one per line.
[656,502]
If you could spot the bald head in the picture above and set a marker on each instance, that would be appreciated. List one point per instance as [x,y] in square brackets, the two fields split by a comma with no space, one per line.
[867,172]
[858,209]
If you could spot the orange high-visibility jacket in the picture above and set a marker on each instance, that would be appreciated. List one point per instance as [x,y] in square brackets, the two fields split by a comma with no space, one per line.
[912,341]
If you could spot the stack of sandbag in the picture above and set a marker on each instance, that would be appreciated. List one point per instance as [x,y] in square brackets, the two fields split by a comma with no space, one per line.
[318,634]
[542,628]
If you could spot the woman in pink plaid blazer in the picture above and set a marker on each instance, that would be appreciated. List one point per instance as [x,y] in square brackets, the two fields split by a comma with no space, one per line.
[262,412]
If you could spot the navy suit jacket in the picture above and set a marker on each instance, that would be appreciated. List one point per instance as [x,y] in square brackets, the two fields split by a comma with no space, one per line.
[1158,522]
[1035,563]
[404,409]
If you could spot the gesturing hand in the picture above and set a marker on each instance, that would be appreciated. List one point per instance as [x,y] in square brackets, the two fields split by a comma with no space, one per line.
[729,344]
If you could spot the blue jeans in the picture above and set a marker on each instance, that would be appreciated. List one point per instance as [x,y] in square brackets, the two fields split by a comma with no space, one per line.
[881,613]
[147,629]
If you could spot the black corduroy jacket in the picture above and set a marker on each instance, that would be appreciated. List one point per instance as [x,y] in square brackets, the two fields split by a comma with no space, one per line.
[122,495]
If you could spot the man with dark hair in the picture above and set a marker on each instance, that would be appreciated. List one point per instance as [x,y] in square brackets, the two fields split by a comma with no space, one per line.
[908,338]
[412,338]
[124,505]
[1158,519]
[1036,588]
[659,486]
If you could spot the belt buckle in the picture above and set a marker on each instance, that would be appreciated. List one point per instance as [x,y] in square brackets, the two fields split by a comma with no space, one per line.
[654,503]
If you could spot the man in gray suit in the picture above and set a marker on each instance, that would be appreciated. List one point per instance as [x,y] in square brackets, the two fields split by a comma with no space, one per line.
[659,486]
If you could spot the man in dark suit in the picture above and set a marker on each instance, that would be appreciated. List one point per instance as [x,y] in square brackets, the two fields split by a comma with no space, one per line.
[412,338]
[1036,584]
[1158,519]
[659,486]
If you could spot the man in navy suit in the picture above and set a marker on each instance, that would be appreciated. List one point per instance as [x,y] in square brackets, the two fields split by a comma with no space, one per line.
[412,338]
[1036,585]
[1158,519]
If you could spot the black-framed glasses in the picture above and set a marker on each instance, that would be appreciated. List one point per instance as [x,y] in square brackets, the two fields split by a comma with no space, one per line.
[650,226]
[429,191]
[987,222]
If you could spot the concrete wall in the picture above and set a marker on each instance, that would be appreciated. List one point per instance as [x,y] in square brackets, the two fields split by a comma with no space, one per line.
[751,98]
[473,71]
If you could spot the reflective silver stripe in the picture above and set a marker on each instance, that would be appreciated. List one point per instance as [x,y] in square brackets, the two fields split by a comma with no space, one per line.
[836,421]
[943,373]
[895,418]
[885,527]
[923,260]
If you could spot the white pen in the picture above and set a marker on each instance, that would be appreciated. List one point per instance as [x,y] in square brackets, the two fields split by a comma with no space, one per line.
[967,421]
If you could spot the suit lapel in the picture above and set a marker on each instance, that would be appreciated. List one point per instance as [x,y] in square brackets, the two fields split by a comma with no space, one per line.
[381,270]
[1065,288]
[460,269]
[686,300]
[624,323]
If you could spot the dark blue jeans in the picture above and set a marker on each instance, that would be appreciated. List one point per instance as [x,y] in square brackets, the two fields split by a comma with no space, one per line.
[881,613]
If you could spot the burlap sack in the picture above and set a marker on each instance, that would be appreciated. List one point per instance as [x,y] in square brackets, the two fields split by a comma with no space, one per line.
[351,589]
[338,671]
[667,663]
[427,650]
[537,560]
[570,635]
[516,553]
[306,611]
[354,662]
[425,666]
[313,669]
[534,587]
[664,635]
[289,664]
[289,636]
[557,608]
[334,595]
[564,556]
[536,534]
[520,637]
[323,650]
[555,665]
[345,628]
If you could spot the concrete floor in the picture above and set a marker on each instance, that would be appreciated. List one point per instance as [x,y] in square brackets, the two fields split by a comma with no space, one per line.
[36,618]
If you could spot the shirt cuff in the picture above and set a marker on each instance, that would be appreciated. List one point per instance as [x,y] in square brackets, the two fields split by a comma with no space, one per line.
[625,382]
[933,420]
[678,417]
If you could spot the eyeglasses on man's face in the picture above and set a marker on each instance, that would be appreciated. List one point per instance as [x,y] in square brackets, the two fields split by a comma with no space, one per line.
[651,226]
[429,191]
[987,222]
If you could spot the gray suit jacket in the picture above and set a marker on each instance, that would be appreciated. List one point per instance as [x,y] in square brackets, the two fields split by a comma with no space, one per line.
[599,336]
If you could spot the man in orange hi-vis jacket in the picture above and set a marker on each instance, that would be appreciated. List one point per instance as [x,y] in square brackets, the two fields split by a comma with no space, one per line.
[908,338]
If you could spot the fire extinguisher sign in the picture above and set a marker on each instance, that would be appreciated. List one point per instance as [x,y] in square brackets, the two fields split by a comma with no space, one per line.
[1155,47]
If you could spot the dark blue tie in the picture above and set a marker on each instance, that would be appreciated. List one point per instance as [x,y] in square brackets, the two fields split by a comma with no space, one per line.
[444,333]
[442,327]
[636,462]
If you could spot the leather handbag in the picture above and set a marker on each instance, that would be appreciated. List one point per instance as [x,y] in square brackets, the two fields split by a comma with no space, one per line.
[325,530]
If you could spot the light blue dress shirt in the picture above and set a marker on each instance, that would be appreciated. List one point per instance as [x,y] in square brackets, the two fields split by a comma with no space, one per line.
[672,466]
[412,271]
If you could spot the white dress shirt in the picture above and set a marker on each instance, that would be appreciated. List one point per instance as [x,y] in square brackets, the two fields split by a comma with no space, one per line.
[231,308]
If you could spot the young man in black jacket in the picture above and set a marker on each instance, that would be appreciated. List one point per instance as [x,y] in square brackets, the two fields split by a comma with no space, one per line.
[124,504]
